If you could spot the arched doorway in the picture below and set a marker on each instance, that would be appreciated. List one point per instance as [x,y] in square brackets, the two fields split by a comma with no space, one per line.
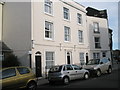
[69,54]
[38,64]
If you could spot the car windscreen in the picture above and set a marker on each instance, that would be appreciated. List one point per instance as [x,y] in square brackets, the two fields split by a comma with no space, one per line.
[55,69]
[93,61]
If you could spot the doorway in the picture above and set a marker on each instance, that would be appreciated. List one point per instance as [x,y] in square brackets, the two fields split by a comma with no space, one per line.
[38,64]
[68,57]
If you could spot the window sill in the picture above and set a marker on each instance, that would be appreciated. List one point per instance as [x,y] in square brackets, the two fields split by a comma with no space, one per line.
[48,39]
[82,43]
[48,14]
[97,47]
[67,20]
[96,32]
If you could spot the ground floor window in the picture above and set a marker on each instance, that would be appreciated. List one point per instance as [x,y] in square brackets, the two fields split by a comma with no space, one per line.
[96,55]
[49,59]
[81,54]
[104,54]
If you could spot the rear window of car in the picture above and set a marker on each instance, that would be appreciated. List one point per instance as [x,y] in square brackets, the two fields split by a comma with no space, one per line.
[55,69]
[8,73]
[23,70]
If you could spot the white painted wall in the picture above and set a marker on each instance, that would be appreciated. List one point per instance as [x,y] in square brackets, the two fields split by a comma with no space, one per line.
[43,45]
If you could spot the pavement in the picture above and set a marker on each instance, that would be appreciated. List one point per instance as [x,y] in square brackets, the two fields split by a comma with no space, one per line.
[42,81]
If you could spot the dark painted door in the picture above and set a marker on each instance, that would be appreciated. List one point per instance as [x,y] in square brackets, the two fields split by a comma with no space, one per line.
[38,66]
[68,59]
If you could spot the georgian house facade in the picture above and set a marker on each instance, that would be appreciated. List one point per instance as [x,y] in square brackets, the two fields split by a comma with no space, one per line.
[52,32]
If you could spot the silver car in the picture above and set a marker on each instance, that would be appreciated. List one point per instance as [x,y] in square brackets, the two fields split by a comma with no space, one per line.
[98,66]
[67,72]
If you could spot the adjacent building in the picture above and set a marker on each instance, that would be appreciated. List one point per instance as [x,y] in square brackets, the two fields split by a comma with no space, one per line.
[43,34]
[99,33]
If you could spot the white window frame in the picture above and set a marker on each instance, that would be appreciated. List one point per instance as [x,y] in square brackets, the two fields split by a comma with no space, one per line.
[96,27]
[48,7]
[80,36]
[96,55]
[50,30]
[49,59]
[82,58]
[67,34]
[79,18]
[97,43]
[66,13]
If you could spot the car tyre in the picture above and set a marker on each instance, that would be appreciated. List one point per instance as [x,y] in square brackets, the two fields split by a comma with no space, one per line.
[66,80]
[98,73]
[86,76]
[31,86]
[109,71]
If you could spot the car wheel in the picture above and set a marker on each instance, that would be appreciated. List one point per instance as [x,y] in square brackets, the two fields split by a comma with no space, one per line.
[109,70]
[66,80]
[31,86]
[98,73]
[86,76]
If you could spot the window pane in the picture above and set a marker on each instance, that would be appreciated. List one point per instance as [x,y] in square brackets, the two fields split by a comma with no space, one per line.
[81,58]
[66,13]
[97,42]
[79,16]
[8,73]
[80,35]
[49,59]
[96,27]
[48,6]
[23,70]
[67,33]
[48,29]
[69,67]
[96,55]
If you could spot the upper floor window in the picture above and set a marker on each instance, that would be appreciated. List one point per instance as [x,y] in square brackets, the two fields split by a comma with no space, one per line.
[97,42]
[96,27]
[48,6]
[66,13]
[49,30]
[79,18]
[80,36]
[67,33]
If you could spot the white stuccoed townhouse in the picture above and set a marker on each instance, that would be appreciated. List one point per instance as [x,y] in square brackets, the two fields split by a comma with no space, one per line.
[52,32]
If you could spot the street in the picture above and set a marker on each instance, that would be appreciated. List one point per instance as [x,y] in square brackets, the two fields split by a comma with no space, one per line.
[104,81]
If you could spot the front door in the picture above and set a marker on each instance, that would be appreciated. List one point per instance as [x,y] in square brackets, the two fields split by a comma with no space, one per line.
[68,57]
[38,66]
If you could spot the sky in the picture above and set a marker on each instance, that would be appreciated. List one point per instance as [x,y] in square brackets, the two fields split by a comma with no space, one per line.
[112,9]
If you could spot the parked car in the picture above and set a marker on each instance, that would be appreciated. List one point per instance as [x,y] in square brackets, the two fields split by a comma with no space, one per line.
[66,72]
[17,77]
[98,66]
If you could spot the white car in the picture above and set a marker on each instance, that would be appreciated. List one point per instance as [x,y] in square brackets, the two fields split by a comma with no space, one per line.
[98,66]
[66,72]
